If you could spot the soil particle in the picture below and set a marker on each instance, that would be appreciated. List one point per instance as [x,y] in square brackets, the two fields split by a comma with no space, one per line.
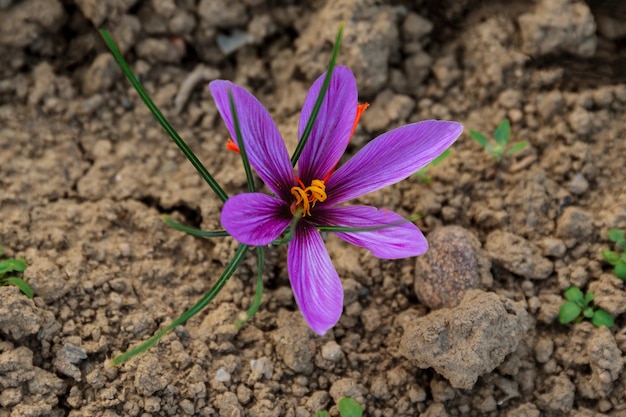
[294,345]
[555,26]
[574,225]
[347,387]
[19,316]
[28,21]
[609,294]
[556,394]
[454,264]
[517,255]
[101,75]
[524,410]
[151,375]
[466,344]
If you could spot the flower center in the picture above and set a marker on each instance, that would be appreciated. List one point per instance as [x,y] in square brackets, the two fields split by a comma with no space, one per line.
[306,197]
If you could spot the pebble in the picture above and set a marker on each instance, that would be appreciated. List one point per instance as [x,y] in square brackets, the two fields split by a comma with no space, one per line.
[331,351]
[517,255]
[578,185]
[575,223]
[222,376]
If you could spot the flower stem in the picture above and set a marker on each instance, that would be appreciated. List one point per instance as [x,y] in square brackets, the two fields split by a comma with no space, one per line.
[204,173]
[320,99]
[197,307]
[258,295]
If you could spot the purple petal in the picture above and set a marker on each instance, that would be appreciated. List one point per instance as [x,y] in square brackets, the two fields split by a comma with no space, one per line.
[316,285]
[390,158]
[255,219]
[265,147]
[331,131]
[399,241]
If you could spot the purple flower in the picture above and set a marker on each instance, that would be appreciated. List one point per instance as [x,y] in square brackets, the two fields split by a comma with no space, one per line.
[258,219]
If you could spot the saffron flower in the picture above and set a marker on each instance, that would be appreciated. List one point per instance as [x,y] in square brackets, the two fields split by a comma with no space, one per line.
[315,193]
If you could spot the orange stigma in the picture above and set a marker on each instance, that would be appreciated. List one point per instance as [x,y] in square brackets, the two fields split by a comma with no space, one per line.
[360,108]
[306,197]
[232,146]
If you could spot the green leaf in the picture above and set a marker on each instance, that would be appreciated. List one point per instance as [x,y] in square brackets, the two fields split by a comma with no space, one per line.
[588,312]
[443,155]
[602,318]
[616,235]
[258,294]
[348,407]
[192,230]
[620,269]
[19,283]
[574,294]
[503,133]
[519,146]
[192,311]
[191,157]
[610,256]
[480,138]
[320,99]
[568,312]
[588,297]
[12,265]
[322,413]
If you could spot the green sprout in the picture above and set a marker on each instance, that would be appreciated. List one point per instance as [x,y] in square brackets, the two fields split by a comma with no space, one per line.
[348,407]
[14,265]
[422,174]
[501,136]
[614,258]
[579,306]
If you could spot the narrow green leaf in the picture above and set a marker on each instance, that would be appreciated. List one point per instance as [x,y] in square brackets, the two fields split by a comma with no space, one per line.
[441,157]
[519,146]
[12,265]
[242,148]
[589,297]
[620,269]
[192,230]
[195,309]
[19,283]
[422,175]
[574,294]
[611,257]
[320,99]
[602,318]
[258,295]
[502,135]
[568,312]
[616,235]
[193,159]
[480,138]
[348,407]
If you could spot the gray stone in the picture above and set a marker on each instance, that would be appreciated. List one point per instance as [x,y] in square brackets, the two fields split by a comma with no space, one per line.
[517,255]
[574,223]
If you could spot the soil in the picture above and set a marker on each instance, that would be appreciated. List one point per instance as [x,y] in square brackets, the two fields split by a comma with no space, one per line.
[469,329]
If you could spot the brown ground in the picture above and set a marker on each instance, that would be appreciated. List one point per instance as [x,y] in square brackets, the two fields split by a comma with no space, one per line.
[86,173]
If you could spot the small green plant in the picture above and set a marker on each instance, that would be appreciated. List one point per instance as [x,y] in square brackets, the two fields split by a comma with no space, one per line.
[422,174]
[501,136]
[614,258]
[348,407]
[14,265]
[579,306]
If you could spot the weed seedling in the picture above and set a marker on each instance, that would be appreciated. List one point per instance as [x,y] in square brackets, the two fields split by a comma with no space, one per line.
[579,306]
[348,407]
[14,265]
[498,147]
[422,174]
[614,258]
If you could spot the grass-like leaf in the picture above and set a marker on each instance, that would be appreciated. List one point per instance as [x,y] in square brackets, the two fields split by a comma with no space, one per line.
[519,146]
[239,139]
[320,99]
[258,294]
[193,159]
[196,308]
[192,230]
[480,138]
[19,283]
[502,134]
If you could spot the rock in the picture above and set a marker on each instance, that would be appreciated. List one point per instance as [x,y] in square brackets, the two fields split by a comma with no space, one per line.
[125,32]
[578,185]
[47,281]
[19,316]
[228,405]
[558,26]
[605,361]
[580,121]
[550,105]
[16,367]
[524,410]
[293,342]
[467,341]
[347,387]
[262,368]
[553,247]
[67,358]
[517,255]
[453,265]
[575,223]
[370,37]
[609,294]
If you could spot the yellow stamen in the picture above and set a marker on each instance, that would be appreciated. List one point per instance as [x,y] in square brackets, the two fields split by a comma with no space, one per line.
[306,197]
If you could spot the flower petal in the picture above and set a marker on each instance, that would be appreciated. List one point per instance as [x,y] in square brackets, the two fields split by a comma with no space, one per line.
[265,147]
[398,241]
[390,158]
[255,219]
[314,280]
[331,131]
